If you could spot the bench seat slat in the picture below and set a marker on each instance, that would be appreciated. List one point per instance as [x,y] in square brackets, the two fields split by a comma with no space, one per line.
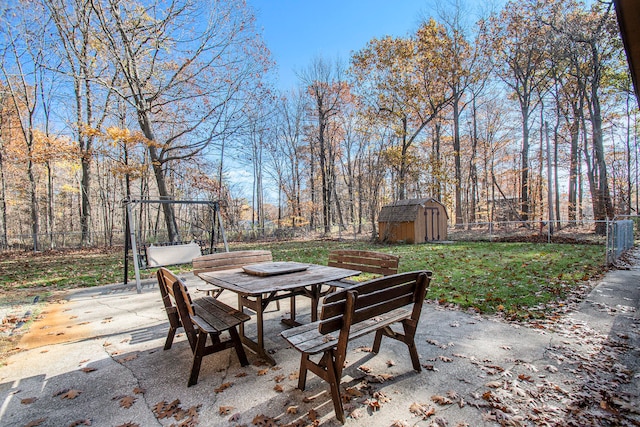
[308,339]
[216,315]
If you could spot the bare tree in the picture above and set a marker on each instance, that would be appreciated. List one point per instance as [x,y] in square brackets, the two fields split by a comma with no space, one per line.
[22,58]
[326,87]
[83,64]
[186,67]
[521,54]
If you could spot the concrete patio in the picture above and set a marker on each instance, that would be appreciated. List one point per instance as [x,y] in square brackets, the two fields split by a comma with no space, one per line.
[95,358]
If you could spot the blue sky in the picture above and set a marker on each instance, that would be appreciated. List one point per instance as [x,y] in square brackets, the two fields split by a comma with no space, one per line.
[296,31]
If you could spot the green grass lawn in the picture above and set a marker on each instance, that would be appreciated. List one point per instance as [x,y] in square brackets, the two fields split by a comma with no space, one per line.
[517,279]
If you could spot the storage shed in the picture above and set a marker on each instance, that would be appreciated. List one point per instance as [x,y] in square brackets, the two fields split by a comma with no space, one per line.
[413,221]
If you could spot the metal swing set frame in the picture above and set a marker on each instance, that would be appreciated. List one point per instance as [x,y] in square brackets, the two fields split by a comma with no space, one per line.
[133,232]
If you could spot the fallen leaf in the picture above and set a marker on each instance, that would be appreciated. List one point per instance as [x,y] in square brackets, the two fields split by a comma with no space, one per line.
[223,387]
[373,404]
[71,394]
[422,410]
[127,402]
[225,410]
[312,415]
[292,410]
[59,392]
[328,338]
[308,399]
[356,414]
[234,418]
[164,409]
[87,369]
[127,358]
[381,396]
[128,425]
[262,372]
[379,378]
[35,423]
[263,421]
[294,375]
[241,374]
[441,400]
[28,400]
[85,422]
[139,390]
[279,378]
[390,363]
[364,368]
[439,422]
[354,392]
[445,359]
[278,388]
[524,377]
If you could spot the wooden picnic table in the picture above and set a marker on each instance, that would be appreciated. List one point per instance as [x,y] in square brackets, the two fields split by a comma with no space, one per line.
[270,282]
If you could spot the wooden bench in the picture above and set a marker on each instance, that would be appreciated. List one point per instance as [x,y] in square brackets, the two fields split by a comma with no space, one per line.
[225,261]
[201,318]
[353,312]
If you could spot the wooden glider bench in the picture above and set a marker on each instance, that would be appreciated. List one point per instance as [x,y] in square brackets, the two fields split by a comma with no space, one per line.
[356,311]
[201,318]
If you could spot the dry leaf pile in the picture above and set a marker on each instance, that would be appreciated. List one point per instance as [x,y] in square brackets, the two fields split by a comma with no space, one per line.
[186,417]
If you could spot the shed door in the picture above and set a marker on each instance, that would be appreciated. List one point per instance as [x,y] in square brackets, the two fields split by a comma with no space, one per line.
[432,223]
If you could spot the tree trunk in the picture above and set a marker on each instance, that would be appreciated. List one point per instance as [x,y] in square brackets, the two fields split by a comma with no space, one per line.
[574,130]
[3,204]
[457,163]
[158,172]
[473,170]
[524,156]
[35,226]
[402,173]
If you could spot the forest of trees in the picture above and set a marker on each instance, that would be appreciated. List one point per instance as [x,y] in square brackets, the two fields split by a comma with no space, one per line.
[529,107]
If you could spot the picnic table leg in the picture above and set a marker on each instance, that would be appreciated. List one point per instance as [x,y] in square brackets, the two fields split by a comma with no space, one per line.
[292,318]
[315,299]
[257,346]
[260,323]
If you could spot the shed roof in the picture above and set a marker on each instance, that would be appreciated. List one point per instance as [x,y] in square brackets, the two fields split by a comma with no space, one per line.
[404,210]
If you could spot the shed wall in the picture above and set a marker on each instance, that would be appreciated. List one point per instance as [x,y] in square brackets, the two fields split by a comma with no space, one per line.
[397,231]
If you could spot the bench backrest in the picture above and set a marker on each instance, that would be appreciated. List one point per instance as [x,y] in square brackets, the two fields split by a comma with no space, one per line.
[229,260]
[365,261]
[165,283]
[175,293]
[373,298]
